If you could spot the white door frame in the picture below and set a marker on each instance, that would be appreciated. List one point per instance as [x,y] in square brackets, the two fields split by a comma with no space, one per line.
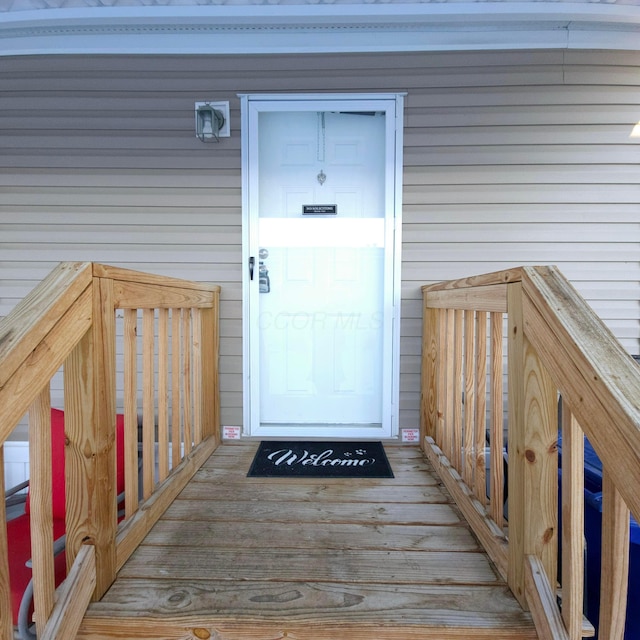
[391,104]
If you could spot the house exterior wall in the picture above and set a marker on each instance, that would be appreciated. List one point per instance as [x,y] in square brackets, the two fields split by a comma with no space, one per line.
[510,158]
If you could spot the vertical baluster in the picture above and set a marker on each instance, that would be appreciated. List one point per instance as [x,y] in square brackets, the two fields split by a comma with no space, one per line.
[163,394]
[497,420]
[197,375]
[130,339]
[469,395]
[41,507]
[186,381]
[457,391]
[176,376]
[481,407]
[6,627]
[572,509]
[148,413]
[447,435]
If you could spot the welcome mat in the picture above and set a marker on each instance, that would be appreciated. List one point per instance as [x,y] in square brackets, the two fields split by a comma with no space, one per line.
[337,459]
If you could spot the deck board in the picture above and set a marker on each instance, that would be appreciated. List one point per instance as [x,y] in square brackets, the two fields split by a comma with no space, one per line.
[237,558]
[306,535]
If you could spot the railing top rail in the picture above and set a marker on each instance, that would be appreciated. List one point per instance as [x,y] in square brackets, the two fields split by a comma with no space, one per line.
[129,275]
[497,277]
[33,317]
[598,379]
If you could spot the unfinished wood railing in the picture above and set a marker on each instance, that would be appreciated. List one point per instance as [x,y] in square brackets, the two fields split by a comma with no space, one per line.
[75,319]
[555,347]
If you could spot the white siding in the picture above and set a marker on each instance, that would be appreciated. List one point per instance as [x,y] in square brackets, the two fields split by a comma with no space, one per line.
[16,463]
[510,158]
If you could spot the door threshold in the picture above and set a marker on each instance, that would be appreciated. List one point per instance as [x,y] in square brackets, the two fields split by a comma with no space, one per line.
[321,431]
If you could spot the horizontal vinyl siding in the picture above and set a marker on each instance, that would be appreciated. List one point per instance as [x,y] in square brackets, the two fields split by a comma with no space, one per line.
[510,158]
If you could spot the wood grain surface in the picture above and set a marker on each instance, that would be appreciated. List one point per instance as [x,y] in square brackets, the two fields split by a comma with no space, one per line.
[259,558]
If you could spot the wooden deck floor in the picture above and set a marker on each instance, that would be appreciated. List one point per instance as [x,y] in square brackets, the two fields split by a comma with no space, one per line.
[238,558]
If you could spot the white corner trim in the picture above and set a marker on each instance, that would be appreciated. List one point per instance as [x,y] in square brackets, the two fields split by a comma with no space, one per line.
[227,29]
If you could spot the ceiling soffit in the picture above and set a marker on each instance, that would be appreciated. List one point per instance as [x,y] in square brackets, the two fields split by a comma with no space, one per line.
[71,26]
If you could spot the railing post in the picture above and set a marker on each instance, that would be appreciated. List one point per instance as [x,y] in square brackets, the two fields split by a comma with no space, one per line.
[615,562]
[516,442]
[533,458]
[429,385]
[210,396]
[105,498]
[91,440]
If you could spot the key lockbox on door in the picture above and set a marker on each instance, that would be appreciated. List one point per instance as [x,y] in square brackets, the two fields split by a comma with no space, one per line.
[263,272]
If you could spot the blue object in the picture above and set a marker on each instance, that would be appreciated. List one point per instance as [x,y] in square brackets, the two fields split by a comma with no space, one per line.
[593,535]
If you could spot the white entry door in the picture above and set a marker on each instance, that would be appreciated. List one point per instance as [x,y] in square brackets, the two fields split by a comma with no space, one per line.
[321,277]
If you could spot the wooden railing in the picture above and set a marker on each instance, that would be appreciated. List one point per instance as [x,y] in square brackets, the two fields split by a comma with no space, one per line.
[75,319]
[556,347]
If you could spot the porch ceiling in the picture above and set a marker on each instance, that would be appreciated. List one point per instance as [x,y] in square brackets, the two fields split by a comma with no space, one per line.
[289,26]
